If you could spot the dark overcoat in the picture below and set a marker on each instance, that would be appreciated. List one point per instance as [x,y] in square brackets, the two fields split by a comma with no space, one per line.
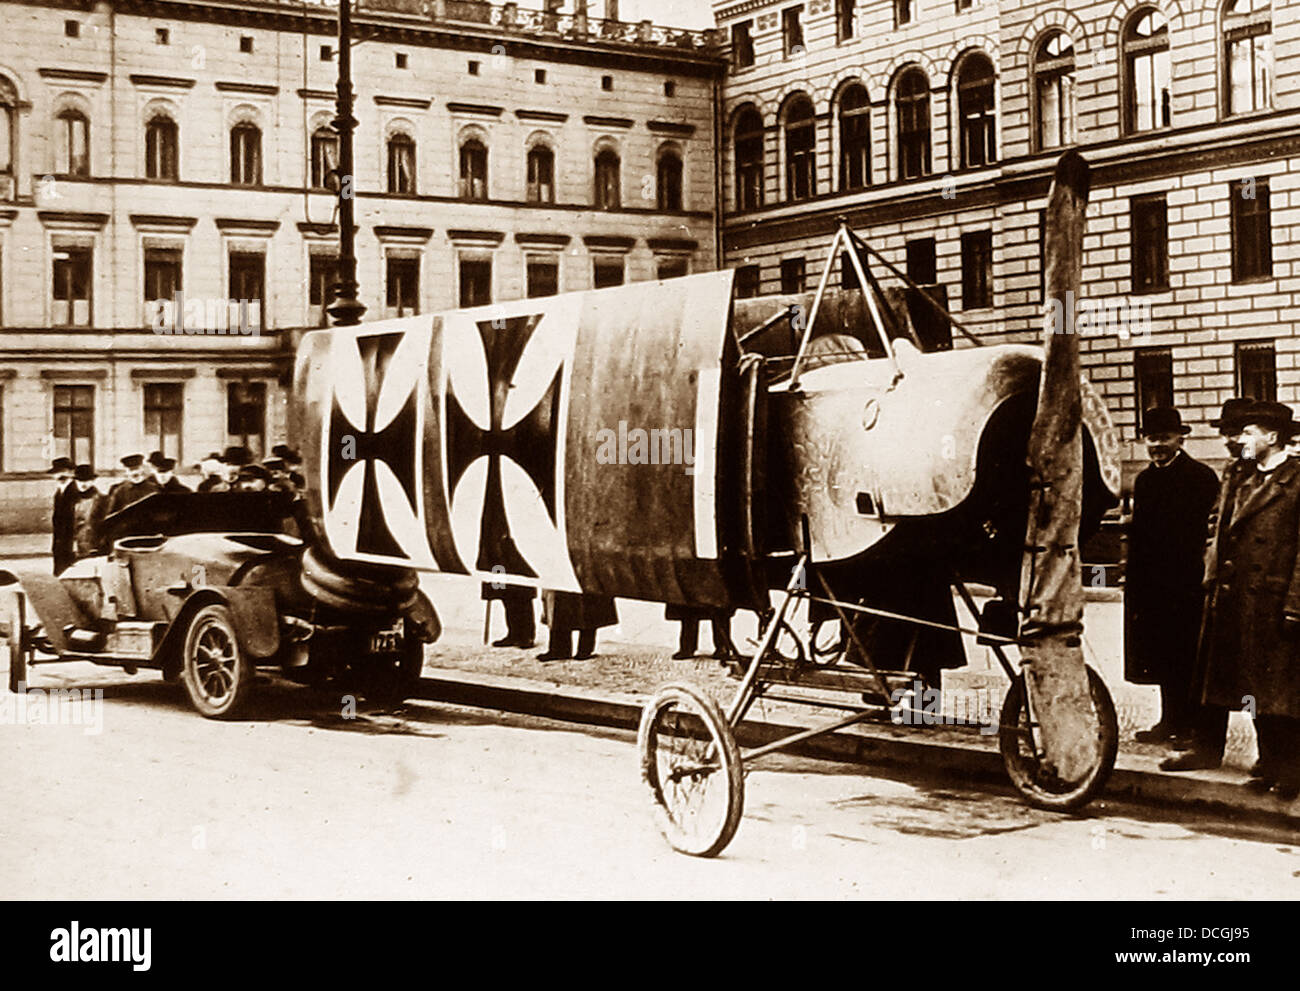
[126,492]
[1165,565]
[87,515]
[1254,581]
[63,544]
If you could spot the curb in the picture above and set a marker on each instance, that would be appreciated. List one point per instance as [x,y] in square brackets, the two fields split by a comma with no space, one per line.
[889,751]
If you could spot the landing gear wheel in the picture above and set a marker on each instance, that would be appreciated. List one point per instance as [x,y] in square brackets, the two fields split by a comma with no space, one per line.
[691,764]
[217,675]
[393,678]
[1039,788]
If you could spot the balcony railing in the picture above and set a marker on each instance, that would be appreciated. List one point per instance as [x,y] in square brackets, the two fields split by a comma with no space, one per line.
[565,26]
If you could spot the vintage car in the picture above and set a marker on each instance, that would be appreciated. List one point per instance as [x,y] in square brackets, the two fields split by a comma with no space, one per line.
[205,587]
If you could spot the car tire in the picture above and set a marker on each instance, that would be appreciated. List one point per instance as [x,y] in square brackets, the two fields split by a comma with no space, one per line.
[217,674]
[394,680]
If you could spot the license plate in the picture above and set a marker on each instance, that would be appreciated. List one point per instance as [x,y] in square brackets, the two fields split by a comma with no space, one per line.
[386,641]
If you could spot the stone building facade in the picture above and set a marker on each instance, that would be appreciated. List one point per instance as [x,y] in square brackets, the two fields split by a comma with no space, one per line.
[154,151]
[933,126]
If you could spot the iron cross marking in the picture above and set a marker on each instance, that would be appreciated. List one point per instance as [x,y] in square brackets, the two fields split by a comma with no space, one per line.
[531,443]
[394,445]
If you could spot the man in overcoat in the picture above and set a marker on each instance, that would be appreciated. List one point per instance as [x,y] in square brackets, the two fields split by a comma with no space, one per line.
[1210,722]
[62,544]
[1172,498]
[1253,660]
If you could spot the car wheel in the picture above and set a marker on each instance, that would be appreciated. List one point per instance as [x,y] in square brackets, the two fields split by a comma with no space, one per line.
[217,675]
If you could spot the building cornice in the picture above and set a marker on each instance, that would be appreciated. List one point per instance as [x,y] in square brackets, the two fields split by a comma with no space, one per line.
[542,240]
[414,102]
[241,225]
[475,109]
[72,75]
[479,237]
[162,222]
[72,219]
[670,127]
[394,232]
[595,120]
[258,89]
[163,82]
[550,116]
[609,242]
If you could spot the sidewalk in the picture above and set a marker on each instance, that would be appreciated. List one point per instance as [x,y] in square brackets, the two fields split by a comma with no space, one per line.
[633,659]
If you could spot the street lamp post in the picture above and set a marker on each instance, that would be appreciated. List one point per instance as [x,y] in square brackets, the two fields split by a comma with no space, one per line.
[346,308]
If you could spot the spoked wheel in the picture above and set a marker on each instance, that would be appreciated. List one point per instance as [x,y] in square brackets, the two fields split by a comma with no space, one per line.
[217,675]
[691,764]
[1041,788]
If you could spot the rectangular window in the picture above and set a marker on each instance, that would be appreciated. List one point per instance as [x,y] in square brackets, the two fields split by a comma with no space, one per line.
[921,265]
[163,405]
[323,272]
[71,289]
[248,286]
[672,267]
[246,417]
[902,12]
[1252,230]
[977,270]
[543,275]
[742,44]
[1256,365]
[162,273]
[402,286]
[793,275]
[74,423]
[475,281]
[607,270]
[1149,243]
[792,30]
[845,17]
[1153,371]
[748,279]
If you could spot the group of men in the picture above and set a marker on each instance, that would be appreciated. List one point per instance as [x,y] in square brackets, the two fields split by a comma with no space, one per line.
[80,508]
[1212,590]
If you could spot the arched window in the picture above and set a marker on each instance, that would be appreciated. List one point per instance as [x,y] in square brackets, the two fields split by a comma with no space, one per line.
[1053,87]
[855,138]
[976,131]
[324,158]
[800,149]
[246,155]
[668,180]
[1247,56]
[609,194]
[401,164]
[72,144]
[749,160]
[161,148]
[541,175]
[1146,71]
[913,101]
[473,170]
[8,130]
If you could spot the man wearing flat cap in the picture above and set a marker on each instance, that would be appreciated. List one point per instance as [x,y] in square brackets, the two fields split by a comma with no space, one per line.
[61,547]
[1210,722]
[133,488]
[1253,653]
[1172,498]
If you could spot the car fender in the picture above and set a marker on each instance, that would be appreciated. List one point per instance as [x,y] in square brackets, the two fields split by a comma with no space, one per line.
[424,618]
[253,611]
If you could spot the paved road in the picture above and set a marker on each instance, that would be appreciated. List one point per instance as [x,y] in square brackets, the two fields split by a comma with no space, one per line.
[438,801]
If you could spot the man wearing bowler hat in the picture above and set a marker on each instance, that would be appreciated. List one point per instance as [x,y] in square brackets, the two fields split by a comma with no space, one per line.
[61,548]
[1209,732]
[1172,498]
[1253,656]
